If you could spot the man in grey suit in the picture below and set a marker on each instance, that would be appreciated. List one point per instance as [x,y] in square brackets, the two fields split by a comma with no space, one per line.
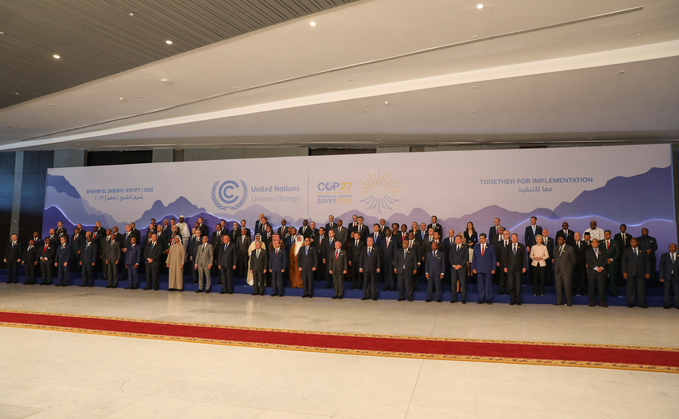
[111,260]
[564,262]
[405,267]
[259,262]
[341,232]
[203,263]
[337,267]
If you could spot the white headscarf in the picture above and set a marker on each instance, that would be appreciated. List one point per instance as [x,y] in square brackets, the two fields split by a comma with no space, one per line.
[298,243]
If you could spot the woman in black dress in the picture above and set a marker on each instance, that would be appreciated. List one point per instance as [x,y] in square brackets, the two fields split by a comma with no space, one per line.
[471,238]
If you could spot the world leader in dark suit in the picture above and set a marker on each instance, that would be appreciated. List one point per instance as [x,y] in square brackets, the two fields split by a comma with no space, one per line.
[669,275]
[337,267]
[259,263]
[227,264]
[635,268]
[434,270]
[46,256]
[514,265]
[153,253]
[62,261]
[30,262]
[596,273]
[306,262]
[484,263]
[278,263]
[564,262]
[88,258]
[405,268]
[132,258]
[12,259]
[369,266]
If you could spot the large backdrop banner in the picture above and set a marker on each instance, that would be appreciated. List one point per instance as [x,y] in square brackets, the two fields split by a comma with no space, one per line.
[626,184]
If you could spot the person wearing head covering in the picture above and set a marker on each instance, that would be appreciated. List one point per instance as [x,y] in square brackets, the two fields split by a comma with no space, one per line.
[175,265]
[295,274]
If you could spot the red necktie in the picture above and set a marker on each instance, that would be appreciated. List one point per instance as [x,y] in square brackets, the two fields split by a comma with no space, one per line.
[483,249]
[336,254]
[606,244]
[45,248]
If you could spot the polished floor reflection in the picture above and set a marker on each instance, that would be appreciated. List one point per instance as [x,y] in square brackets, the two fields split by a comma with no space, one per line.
[47,374]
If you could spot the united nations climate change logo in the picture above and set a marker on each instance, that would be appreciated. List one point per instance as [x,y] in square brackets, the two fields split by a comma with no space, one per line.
[226,196]
[379,191]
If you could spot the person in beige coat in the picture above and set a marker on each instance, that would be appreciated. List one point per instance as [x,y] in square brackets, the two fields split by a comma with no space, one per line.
[539,255]
[203,264]
[175,265]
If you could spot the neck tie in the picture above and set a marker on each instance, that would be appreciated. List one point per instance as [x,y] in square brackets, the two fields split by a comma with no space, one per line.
[514,249]
[257,254]
[276,250]
[435,251]
[607,243]
[561,251]
[635,252]
[624,239]
[336,254]
[356,243]
[369,252]
[203,246]
[505,243]
[596,253]
[458,247]
[45,248]
[483,249]
[306,250]
[14,244]
[405,253]
[672,257]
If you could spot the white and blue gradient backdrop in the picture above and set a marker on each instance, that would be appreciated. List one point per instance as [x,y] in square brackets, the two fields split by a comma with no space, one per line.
[626,184]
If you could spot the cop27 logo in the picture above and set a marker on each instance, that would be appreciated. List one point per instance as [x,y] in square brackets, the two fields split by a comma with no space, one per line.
[229,196]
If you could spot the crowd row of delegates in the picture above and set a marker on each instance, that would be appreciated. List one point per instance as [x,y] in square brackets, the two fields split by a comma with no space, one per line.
[396,255]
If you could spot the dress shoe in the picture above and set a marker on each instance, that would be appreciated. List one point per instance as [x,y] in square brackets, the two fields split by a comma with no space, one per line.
[255,293]
[518,304]
[198,290]
[591,304]
[180,290]
[304,296]
[438,301]
[114,286]
[604,305]
[147,288]
[108,286]
[91,285]
[128,288]
[334,297]
[453,301]
[644,306]
[327,287]
[479,302]
[400,299]
[569,305]
[222,292]
[630,305]
[364,298]
[155,289]
[512,303]
[79,286]
[410,299]
[274,295]
[207,291]
[464,302]
[261,293]
[488,302]
[667,307]
[557,304]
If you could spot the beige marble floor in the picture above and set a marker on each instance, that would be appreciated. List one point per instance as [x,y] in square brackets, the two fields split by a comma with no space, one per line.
[45,374]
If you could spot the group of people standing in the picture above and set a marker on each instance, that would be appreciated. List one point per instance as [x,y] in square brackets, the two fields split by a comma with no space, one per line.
[398,256]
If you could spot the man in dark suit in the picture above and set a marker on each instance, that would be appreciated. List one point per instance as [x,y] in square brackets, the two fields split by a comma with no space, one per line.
[341,232]
[649,246]
[501,247]
[321,247]
[331,224]
[549,244]
[62,261]
[494,231]
[531,231]
[30,262]
[306,262]
[132,258]
[46,255]
[434,269]
[564,262]
[278,263]
[636,269]
[191,249]
[514,266]
[580,270]
[283,229]
[313,233]
[369,266]
[377,235]
[135,233]
[387,247]
[202,227]
[458,257]
[353,224]
[243,227]
[228,257]
[88,259]
[290,239]
[416,248]
[324,256]
[355,248]
[242,250]
[596,274]
[337,267]
[112,260]
[235,232]
[305,230]
[77,245]
[12,259]
[436,227]
[613,254]
[61,231]
[267,237]
[153,253]
[259,263]
[405,266]
[217,235]
[669,275]
[623,237]
[568,235]
[362,229]
[484,263]
[422,233]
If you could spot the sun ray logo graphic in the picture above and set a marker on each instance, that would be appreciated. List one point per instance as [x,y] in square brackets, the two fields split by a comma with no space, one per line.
[379,191]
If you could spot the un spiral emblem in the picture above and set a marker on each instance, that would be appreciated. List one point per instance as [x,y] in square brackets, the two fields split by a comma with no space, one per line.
[226,197]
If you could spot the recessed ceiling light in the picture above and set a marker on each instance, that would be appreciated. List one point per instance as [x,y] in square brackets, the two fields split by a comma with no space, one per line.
[2,33]
[312,23]
[56,56]
[479,6]
[168,42]
[131,14]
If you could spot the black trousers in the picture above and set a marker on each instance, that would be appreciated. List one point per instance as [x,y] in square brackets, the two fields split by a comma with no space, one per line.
[30,273]
[259,281]
[598,281]
[152,275]
[87,274]
[112,272]
[338,283]
[370,285]
[226,278]
[514,286]
[539,273]
[434,281]
[389,275]
[308,282]
[579,279]
[502,278]
[404,283]
[277,282]
[667,298]
[243,266]
[46,271]
[459,275]
[63,274]
[12,271]
[355,275]
[636,288]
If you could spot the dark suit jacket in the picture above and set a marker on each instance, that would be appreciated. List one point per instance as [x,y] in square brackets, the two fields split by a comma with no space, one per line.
[669,271]
[564,261]
[634,265]
[61,232]
[529,237]
[278,262]
[377,240]
[514,263]
[227,256]
[30,256]
[363,231]
[329,227]
[370,263]
[305,231]
[63,254]
[266,241]
[12,254]
[568,237]
[484,263]
[46,253]
[435,265]
[492,233]
[459,257]
[388,252]
[648,243]
[242,246]
[625,243]
[405,263]
[342,235]
[133,255]
[329,249]
[112,252]
[593,261]
[89,255]
[306,260]
[203,230]
[235,233]
[613,251]
[339,265]
[436,228]
[77,242]
[282,230]
[259,264]
[321,246]
[355,251]
[580,254]
[153,252]
[500,251]
[136,234]
[549,242]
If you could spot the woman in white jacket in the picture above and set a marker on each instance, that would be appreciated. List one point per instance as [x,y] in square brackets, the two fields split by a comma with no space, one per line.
[539,255]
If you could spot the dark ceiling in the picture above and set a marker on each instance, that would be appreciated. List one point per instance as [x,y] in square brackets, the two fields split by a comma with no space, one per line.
[98,38]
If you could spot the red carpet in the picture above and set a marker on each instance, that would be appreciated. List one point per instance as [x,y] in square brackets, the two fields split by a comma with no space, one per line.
[531,353]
